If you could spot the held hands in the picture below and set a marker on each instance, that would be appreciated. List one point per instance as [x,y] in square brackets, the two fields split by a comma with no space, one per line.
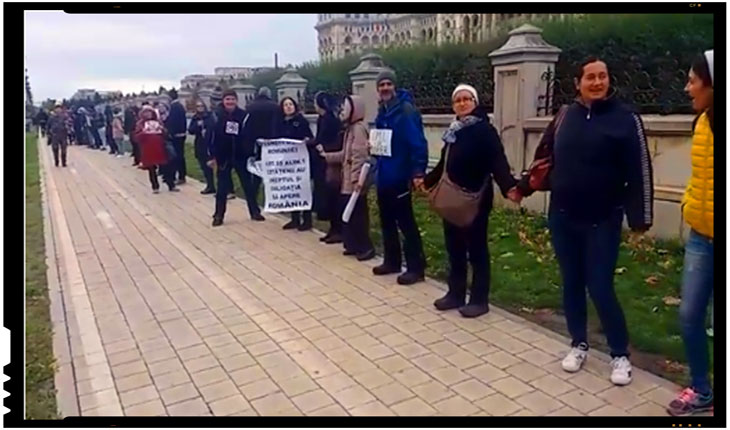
[211,163]
[320,149]
[514,195]
[418,184]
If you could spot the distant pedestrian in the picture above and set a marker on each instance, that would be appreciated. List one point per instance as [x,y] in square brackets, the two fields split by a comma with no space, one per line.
[150,133]
[58,134]
[176,123]
[118,132]
[201,127]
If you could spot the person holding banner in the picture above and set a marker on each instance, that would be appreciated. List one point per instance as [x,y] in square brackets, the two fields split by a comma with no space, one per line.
[472,155]
[352,157]
[296,126]
[228,152]
[402,156]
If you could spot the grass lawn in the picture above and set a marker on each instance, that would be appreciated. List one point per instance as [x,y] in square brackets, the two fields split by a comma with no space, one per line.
[40,401]
[526,280]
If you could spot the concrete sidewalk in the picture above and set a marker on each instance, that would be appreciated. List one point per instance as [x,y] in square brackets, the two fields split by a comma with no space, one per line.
[157,313]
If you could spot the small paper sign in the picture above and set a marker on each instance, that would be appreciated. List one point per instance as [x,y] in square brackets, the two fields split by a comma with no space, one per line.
[231,127]
[380,142]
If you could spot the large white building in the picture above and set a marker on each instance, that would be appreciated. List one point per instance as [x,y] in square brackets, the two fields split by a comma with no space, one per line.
[240,72]
[341,34]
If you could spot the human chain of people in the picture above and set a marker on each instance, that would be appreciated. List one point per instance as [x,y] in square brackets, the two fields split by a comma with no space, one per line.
[593,158]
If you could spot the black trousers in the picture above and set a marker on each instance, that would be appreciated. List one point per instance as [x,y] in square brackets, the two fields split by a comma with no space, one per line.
[249,181]
[55,145]
[334,211]
[180,169]
[302,217]
[396,212]
[135,148]
[207,172]
[356,232]
[166,176]
[469,245]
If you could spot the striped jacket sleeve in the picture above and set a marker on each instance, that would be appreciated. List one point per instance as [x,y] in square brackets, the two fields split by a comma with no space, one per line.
[639,178]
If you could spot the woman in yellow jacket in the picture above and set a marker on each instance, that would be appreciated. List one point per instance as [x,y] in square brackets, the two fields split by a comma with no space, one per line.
[697,209]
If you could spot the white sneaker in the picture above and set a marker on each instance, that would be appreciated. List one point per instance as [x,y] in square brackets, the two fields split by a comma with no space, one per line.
[621,373]
[575,359]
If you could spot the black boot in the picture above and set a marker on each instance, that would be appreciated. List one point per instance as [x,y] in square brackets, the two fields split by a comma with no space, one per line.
[291,225]
[367,255]
[385,269]
[208,191]
[217,220]
[306,222]
[410,278]
[474,310]
[447,302]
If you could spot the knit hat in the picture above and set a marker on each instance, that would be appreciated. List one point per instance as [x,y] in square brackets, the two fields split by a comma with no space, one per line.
[385,74]
[265,91]
[710,57]
[230,93]
[216,96]
[465,87]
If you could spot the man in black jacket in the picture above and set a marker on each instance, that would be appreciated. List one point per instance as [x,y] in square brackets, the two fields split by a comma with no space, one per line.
[228,150]
[177,125]
[264,116]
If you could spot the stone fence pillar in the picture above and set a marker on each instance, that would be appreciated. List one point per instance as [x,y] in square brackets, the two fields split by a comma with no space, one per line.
[290,84]
[363,82]
[518,68]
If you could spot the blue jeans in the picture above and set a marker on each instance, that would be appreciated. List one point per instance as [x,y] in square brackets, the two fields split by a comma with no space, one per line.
[697,283]
[587,254]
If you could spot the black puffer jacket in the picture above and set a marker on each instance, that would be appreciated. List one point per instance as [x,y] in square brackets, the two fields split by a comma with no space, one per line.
[476,156]
[601,161]
[297,127]
[264,117]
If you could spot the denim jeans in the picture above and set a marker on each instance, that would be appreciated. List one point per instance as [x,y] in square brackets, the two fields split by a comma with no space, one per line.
[587,254]
[697,284]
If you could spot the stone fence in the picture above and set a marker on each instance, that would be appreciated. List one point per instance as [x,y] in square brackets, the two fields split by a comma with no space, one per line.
[669,144]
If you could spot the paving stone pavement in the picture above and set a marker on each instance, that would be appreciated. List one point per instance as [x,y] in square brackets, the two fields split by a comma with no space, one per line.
[157,313]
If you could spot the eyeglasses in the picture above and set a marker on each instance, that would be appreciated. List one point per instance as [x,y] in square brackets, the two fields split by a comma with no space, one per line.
[463,100]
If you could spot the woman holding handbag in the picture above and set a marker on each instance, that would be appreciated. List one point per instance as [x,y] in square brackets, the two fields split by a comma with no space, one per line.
[599,169]
[460,190]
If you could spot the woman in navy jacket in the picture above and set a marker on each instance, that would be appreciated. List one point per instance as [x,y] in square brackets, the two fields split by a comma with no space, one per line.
[295,126]
[601,170]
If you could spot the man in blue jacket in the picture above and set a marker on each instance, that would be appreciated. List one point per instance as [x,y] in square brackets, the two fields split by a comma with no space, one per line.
[177,126]
[396,173]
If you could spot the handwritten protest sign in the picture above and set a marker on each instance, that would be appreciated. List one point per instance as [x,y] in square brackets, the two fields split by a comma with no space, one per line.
[285,168]
[380,140]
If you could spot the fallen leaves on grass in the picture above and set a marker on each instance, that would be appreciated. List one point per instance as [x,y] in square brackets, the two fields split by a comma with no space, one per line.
[652,280]
[671,301]
[672,366]
[621,270]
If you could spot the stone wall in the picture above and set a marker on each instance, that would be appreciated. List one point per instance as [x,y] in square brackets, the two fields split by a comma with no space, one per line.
[669,139]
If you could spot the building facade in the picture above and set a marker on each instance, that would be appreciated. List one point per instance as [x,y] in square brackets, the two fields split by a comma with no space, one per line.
[342,34]
[240,72]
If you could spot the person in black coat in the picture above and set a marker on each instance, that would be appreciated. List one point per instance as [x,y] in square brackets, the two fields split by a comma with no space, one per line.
[601,171]
[229,153]
[264,117]
[177,123]
[475,156]
[130,119]
[327,185]
[201,126]
[295,126]
[108,133]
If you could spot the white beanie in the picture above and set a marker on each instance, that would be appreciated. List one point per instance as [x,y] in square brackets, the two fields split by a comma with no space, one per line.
[710,57]
[465,87]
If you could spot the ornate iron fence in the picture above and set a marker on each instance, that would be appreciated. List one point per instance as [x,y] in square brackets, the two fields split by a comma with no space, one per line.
[660,92]
[432,93]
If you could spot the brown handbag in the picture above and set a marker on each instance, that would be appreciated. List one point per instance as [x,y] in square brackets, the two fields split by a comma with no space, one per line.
[452,202]
[540,168]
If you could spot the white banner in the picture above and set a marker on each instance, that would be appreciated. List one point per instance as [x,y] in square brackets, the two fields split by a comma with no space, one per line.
[285,168]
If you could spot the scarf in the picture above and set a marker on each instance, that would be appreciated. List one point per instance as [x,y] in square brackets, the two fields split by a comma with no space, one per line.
[456,125]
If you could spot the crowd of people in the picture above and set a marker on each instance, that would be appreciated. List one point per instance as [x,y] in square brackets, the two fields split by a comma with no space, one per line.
[593,157]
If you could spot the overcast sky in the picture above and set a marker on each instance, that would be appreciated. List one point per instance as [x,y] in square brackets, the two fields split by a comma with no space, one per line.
[124,52]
